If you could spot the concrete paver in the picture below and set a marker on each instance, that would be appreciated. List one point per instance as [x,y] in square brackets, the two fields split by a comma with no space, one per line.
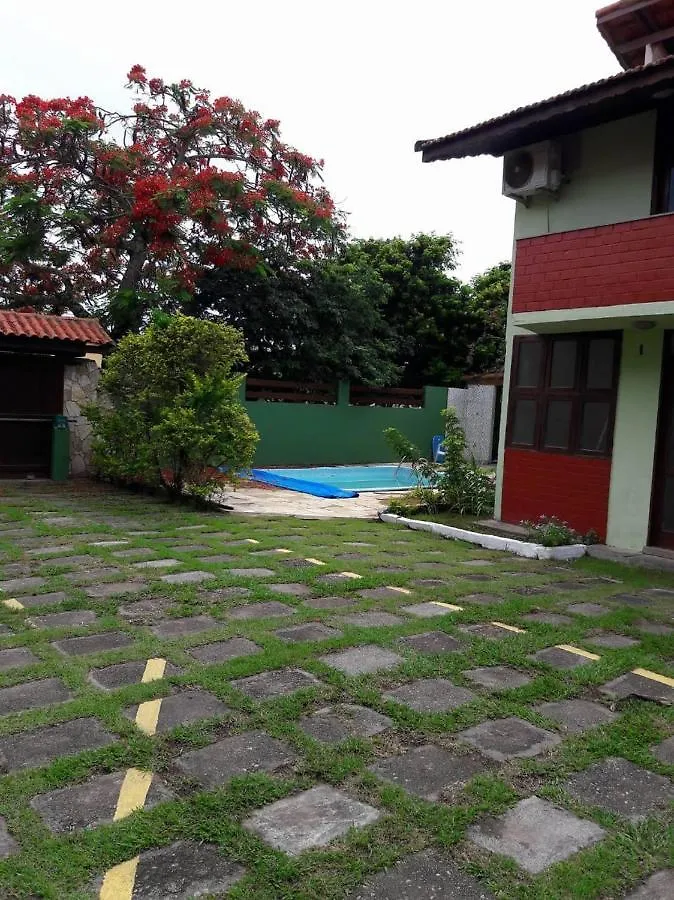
[251,751]
[91,803]
[431,695]
[502,739]
[37,747]
[536,834]
[618,786]
[426,771]
[311,819]
[423,876]
[33,695]
[275,684]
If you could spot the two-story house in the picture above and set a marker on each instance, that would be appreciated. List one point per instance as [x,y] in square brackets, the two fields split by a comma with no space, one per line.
[588,412]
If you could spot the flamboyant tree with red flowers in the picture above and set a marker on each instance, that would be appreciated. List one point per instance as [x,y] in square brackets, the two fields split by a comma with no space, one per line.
[114,213]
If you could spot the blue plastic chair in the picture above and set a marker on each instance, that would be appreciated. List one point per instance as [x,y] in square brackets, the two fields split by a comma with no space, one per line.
[438,451]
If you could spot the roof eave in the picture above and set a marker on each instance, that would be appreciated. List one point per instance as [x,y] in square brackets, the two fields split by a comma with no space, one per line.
[625,94]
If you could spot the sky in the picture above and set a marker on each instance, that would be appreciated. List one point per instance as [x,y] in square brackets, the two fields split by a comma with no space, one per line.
[355,82]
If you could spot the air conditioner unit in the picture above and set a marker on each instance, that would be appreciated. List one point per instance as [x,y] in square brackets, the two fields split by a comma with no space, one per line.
[532,170]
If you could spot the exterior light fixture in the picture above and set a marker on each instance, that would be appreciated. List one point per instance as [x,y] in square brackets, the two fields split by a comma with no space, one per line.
[643,324]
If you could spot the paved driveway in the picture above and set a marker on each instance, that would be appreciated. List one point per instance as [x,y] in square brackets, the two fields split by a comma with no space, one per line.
[211,705]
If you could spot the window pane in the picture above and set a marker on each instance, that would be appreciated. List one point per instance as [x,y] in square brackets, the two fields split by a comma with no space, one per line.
[600,364]
[558,424]
[529,366]
[563,369]
[594,428]
[524,422]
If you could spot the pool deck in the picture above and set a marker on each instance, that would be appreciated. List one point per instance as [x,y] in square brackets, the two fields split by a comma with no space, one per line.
[279,502]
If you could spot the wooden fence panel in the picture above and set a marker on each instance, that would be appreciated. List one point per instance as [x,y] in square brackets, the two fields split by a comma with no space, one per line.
[360,395]
[291,391]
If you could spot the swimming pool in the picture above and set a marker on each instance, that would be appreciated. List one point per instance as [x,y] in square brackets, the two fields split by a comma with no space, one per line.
[340,481]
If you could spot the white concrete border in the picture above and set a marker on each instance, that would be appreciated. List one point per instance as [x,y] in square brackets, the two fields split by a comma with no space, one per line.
[489,541]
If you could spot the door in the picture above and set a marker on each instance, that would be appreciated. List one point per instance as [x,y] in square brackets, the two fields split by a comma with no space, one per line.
[31,394]
[662,507]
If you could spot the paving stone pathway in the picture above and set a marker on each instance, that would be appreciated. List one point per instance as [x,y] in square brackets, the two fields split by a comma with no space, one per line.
[268,688]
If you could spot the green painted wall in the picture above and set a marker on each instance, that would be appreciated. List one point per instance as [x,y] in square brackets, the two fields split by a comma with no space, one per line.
[610,169]
[293,434]
[634,439]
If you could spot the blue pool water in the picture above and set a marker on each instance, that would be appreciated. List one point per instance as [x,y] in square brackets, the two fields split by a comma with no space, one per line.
[351,478]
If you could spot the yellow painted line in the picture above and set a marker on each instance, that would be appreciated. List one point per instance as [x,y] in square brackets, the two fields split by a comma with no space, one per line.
[118,882]
[570,649]
[646,673]
[133,793]
[154,670]
[349,575]
[509,627]
[148,716]
[12,603]
[451,606]
[250,541]
[316,562]
[398,589]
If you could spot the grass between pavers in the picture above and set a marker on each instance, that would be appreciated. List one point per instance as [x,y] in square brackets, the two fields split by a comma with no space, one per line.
[65,866]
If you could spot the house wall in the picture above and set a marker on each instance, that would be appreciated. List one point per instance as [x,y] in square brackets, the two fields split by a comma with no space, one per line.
[634,439]
[630,262]
[573,488]
[610,171]
[566,259]
[80,382]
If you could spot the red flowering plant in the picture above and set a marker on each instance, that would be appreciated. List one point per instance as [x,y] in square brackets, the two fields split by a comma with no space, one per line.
[114,213]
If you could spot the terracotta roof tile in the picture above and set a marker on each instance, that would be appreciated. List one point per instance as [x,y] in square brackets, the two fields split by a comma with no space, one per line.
[61,328]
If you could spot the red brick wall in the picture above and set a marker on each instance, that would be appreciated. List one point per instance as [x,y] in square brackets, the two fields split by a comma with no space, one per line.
[632,262]
[574,488]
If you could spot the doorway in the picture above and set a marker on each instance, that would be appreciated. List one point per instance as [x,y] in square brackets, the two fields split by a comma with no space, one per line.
[662,506]
[31,395]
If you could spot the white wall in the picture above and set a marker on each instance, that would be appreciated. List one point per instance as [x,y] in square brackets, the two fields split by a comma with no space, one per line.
[475,407]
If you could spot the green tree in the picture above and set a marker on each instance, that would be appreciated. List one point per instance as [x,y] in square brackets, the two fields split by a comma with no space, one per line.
[116,213]
[169,407]
[314,321]
[427,307]
[489,307]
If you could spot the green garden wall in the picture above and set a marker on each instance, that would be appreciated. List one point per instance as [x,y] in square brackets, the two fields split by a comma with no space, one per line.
[297,434]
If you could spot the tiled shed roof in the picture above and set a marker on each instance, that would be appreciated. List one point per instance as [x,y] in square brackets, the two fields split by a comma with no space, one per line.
[16,323]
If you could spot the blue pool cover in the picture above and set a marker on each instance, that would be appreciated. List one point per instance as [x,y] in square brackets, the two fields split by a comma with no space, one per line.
[339,481]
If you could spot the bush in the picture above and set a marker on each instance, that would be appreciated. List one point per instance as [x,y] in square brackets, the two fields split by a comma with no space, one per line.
[169,412]
[456,485]
[553,532]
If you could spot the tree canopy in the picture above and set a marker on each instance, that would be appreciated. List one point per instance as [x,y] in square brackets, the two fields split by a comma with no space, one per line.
[189,203]
[383,311]
[113,213]
[316,321]
[489,305]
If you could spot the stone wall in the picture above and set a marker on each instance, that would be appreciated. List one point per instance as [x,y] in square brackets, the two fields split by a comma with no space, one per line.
[475,407]
[79,388]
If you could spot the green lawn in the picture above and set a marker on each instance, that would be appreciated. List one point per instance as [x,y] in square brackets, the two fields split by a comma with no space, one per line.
[67,865]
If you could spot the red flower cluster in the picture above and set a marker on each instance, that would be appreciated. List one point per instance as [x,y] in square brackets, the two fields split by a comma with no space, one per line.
[137,75]
[195,182]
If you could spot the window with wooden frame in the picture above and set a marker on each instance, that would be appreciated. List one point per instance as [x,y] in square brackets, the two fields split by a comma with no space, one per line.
[563,393]
[663,170]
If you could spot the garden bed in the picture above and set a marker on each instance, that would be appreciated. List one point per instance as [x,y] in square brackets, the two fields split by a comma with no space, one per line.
[489,541]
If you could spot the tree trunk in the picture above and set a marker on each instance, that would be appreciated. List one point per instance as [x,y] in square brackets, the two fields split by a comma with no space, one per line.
[126,313]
